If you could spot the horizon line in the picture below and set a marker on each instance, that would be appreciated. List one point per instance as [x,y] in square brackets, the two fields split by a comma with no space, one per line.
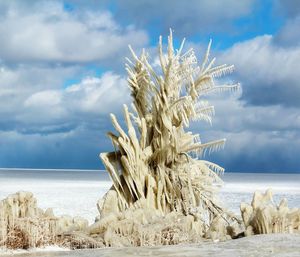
[74,169]
[44,169]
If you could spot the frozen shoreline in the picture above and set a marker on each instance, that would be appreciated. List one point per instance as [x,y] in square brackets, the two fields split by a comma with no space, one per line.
[277,245]
[76,192]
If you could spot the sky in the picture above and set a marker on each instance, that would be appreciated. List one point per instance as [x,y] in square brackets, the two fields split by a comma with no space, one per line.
[62,73]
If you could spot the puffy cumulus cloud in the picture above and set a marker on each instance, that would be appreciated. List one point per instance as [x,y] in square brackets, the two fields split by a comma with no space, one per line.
[42,108]
[44,98]
[20,82]
[43,46]
[267,71]
[232,115]
[82,104]
[98,95]
[62,127]
[48,32]
[185,17]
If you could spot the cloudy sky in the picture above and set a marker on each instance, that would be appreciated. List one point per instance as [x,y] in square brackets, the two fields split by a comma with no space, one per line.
[62,73]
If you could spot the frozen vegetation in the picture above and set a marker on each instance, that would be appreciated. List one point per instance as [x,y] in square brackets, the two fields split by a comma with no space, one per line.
[81,189]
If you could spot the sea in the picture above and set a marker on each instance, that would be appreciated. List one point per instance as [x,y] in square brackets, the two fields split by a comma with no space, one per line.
[76,192]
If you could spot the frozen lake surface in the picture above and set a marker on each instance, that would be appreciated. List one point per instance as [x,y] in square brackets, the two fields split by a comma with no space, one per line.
[75,192]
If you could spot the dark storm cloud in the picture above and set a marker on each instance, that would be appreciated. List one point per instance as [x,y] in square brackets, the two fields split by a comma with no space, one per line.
[260,151]
[76,149]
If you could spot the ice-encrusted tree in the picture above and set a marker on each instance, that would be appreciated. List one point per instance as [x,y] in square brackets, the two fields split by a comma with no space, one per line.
[157,164]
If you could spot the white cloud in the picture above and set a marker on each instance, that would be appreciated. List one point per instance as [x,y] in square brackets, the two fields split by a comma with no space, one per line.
[20,82]
[233,115]
[45,98]
[98,95]
[262,126]
[43,46]
[49,33]
[267,71]
[80,104]
[45,121]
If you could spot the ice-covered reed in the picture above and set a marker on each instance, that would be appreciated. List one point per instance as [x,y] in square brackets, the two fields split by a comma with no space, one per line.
[152,167]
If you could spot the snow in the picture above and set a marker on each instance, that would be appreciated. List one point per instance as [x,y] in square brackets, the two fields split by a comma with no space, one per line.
[239,187]
[47,249]
[73,193]
[275,245]
[76,192]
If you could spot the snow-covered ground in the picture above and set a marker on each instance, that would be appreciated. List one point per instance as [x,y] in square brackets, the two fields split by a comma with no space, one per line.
[75,192]
[33,251]
[68,192]
[239,187]
[272,245]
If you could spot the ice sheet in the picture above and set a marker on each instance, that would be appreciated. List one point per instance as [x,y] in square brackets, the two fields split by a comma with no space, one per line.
[73,193]
[76,192]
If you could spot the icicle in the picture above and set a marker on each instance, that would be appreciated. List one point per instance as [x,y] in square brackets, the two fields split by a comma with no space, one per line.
[206,55]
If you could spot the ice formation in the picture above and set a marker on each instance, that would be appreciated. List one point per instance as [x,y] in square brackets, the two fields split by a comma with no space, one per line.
[157,166]
[263,216]
[163,191]
[23,225]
